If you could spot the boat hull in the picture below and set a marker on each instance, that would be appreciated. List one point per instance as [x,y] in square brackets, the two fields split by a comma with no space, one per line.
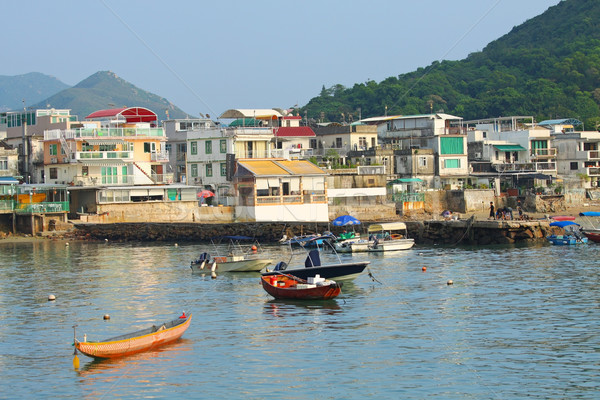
[137,342]
[287,292]
[392,245]
[566,240]
[345,271]
[222,264]
[594,236]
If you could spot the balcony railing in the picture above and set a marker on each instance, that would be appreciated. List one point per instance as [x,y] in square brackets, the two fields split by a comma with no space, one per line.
[525,167]
[161,156]
[104,155]
[593,171]
[587,155]
[543,153]
[103,133]
[44,207]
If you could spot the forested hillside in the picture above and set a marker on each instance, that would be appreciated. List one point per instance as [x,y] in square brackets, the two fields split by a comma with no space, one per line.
[548,67]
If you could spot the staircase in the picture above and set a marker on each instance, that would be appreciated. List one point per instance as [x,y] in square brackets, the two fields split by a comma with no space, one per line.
[65,146]
[144,172]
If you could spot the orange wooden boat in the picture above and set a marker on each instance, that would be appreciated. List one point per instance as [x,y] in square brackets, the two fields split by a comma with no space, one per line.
[136,342]
[285,286]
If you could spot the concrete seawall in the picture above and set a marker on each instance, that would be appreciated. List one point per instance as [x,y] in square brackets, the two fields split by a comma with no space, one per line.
[464,232]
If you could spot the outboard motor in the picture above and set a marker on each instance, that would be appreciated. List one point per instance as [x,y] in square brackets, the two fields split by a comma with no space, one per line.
[280,266]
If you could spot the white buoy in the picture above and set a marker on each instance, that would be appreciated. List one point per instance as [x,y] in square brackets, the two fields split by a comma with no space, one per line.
[213,275]
[106,240]
[450,282]
[66,244]
[106,316]
[176,245]
[51,297]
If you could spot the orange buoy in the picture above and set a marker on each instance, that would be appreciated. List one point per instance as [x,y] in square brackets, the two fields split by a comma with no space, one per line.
[424,269]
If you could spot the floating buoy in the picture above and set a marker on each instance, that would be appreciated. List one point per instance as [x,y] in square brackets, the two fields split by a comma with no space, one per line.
[106,240]
[424,269]
[51,297]
[450,282]
[176,245]
[66,244]
[106,316]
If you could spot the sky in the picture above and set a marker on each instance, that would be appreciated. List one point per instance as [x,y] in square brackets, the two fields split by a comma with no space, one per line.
[208,57]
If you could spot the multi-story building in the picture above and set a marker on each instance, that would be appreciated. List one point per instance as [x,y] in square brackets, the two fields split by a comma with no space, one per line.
[113,147]
[24,131]
[442,133]
[578,153]
[512,151]
[177,134]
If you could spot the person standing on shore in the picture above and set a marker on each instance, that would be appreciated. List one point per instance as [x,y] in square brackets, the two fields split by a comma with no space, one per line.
[492,213]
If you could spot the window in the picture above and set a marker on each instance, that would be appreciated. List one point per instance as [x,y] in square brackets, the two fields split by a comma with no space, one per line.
[194,148]
[208,147]
[194,171]
[574,166]
[452,163]
[124,173]
[223,169]
[338,142]
[3,164]
[223,145]
[422,161]
[362,142]
[168,147]
[53,149]
[85,170]
[208,169]
[451,145]
[313,143]
[53,173]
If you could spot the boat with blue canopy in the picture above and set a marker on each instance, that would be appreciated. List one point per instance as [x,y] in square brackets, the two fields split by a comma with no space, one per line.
[571,236]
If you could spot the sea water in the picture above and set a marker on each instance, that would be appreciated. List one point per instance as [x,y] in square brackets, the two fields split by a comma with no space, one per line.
[516,322]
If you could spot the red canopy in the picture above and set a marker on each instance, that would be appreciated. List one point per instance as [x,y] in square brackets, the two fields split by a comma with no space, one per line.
[130,114]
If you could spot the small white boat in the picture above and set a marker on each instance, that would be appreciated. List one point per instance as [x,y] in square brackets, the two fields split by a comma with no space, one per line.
[237,260]
[389,236]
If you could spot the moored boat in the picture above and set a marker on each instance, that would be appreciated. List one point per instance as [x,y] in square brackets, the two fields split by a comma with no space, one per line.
[389,236]
[136,342]
[286,286]
[312,267]
[572,235]
[590,226]
[236,260]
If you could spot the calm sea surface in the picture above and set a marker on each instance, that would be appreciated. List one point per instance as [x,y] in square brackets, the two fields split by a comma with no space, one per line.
[517,323]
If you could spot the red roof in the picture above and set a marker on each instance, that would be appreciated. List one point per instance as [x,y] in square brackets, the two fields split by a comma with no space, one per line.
[290,131]
[131,114]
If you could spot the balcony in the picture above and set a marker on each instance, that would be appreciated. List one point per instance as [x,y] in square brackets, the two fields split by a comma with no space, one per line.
[104,155]
[525,167]
[587,155]
[543,153]
[160,156]
[103,133]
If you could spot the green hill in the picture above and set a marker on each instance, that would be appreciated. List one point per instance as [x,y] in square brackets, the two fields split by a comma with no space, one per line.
[21,91]
[105,90]
[548,67]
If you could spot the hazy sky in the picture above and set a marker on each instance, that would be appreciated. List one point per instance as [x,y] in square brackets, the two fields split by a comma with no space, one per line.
[211,56]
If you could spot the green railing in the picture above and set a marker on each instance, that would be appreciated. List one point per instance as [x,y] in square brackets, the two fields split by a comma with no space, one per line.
[45,207]
[408,197]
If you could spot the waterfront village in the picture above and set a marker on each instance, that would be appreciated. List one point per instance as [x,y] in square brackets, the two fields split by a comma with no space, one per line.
[268,167]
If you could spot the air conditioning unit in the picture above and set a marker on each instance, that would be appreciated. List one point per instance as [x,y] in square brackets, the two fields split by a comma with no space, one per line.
[478,154]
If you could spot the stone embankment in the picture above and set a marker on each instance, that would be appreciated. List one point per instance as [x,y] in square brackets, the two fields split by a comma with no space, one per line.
[454,232]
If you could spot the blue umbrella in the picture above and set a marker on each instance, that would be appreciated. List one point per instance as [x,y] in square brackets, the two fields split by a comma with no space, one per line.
[562,224]
[345,220]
